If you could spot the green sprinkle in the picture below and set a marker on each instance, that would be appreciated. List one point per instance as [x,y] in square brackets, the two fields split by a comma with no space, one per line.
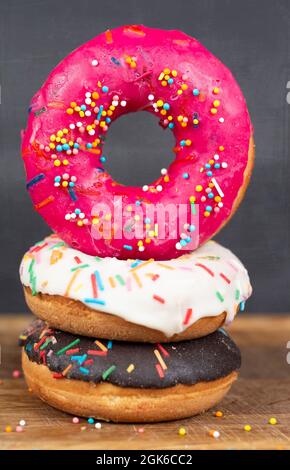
[80,266]
[70,345]
[31,265]
[97,258]
[219,296]
[193,209]
[108,372]
[120,279]
[237,294]
[43,346]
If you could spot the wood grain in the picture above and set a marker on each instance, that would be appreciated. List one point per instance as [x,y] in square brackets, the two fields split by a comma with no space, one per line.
[263,391]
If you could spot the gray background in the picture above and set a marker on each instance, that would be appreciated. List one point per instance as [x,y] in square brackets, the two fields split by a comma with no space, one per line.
[250,36]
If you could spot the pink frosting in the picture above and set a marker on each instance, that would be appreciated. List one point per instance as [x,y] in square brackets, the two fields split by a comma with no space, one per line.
[122,71]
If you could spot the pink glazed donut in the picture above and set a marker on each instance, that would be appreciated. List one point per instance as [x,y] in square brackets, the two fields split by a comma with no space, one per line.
[129,69]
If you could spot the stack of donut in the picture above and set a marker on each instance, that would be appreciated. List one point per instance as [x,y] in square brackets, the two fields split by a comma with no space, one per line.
[130,292]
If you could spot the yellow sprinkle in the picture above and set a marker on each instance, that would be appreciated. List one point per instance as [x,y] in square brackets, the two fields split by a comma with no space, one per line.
[216,90]
[8,429]
[137,279]
[159,103]
[130,368]
[166,71]
[247,427]
[56,162]
[174,73]
[179,92]
[101,345]
[192,199]
[184,86]
[218,414]
[221,148]
[198,188]
[112,282]
[142,265]
[216,103]
[182,431]
[213,110]
[160,359]
[273,421]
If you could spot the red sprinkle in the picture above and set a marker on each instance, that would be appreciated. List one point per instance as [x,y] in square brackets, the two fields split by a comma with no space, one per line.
[37,345]
[94,352]
[187,316]
[44,202]
[38,248]
[159,370]
[72,351]
[94,286]
[88,362]
[57,375]
[223,276]
[205,268]
[77,260]
[159,299]
[163,350]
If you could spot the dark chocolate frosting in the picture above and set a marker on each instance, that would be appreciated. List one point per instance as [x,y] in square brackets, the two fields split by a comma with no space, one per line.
[140,365]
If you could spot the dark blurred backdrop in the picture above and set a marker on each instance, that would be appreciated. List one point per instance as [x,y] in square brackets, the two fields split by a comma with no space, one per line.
[251,37]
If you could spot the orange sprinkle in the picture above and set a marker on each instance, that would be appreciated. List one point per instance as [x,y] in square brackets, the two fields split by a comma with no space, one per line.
[142,265]
[166,266]
[44,202]
[109,36]
[66,370]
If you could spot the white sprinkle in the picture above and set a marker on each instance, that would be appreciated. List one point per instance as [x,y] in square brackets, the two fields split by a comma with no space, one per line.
[221,120]
[123,103]
[67,217]
[150,97]
[79,124]
[164,171]
[216,434]
[145,187]
[88,94]
[98,425]
[159,188]
[216,156]
[72,126]
[178,246]
[88,113]
[22,422]
[141,248]
[224,165]
[92,132]
[115,103]
[95,62]
[217,187]
[88,100]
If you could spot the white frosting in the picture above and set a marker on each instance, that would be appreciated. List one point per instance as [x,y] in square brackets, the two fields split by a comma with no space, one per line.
[159,295]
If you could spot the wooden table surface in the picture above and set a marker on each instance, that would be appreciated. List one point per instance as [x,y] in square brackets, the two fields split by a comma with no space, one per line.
[262,392]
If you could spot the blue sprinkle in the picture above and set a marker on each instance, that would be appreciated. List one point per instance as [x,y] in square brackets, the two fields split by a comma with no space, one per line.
[209,173]
[71,192]
[128,247]
[110,344]
[138,203]
[115,61]
[136,263]
[182,143]
[188,239]
[99,280]
[166,106]
[191,228]
[171,125]
[147,220]
[65,147]
[89,146]
[101,170]
[170,81]
[210,195]
[100,112]
[77,211]
[95,301]
[217,165]
[195,92]
[182,242]
[35,180]
[207,165]
[185,176]
[59,148]
[108,120]
[105,89]
[83,107]
[76,145]
[208,208]
[79,359]
[91,420]
[103,159]
[28,347]
[242,306]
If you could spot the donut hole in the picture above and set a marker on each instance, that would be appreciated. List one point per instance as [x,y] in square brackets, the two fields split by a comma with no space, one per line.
[137,148]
